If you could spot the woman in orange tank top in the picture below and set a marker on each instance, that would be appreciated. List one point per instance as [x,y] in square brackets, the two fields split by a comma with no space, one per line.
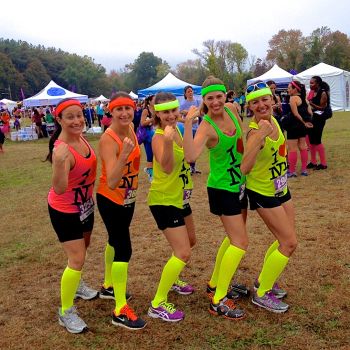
[116,195]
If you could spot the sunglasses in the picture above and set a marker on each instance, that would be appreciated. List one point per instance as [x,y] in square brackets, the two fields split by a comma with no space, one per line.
[256,86]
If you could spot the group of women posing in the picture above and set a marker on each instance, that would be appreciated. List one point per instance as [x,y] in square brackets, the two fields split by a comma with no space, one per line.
[258,171]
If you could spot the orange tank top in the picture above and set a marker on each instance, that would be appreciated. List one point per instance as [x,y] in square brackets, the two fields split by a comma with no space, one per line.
[125,192]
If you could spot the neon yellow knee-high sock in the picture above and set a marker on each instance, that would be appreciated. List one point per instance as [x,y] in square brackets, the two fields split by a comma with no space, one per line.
[272,268]
[272,248]
[119,273]
[171,272]
[69,285]
[215,275]
[228,267]
[109,257]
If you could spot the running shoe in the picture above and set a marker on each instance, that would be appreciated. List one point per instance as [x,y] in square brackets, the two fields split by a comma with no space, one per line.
[85,292]
[241,289]
[227,309]
[276,290]
[311,166]
[321,167]
[182,287]
[71,320]
[269,302]
[231,294]
[304,173]
[289,175]
[128,319]
[108,293]
[167,312]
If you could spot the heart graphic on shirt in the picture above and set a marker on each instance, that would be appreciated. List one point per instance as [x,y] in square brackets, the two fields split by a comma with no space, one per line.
[136,163]
[240,146]
[282,150]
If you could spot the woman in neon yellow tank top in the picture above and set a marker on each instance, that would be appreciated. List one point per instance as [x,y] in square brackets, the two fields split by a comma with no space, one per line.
[168,199]
[221,132]
[265,166]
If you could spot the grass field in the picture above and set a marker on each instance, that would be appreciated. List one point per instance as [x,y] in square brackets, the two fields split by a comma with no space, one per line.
[317,277]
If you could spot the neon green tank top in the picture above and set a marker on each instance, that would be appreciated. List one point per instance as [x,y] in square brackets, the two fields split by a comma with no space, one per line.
[171,189]
[225,158]
[269,174]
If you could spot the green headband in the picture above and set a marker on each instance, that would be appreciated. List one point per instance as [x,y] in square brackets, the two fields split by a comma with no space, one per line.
[258,93]
[212,88]
[166,105]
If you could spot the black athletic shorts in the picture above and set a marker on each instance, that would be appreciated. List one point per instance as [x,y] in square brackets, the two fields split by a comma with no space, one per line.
[68,226]
[257,200]
[222,202]
[168,216]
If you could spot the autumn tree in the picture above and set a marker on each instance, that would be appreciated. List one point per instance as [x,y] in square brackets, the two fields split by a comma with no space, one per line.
[286,49]
[192,71]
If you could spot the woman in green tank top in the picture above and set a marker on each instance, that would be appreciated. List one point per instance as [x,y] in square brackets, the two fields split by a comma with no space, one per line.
[168,200]
[264,164]
[221,132]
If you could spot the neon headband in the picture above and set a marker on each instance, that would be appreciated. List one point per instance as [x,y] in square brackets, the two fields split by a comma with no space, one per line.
[121,101]
[295,85]
[66,104]
[166,105]
[258,93]
[212,88]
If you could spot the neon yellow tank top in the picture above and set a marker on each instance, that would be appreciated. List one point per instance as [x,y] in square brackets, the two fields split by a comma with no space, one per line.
[171,189]
[269,174]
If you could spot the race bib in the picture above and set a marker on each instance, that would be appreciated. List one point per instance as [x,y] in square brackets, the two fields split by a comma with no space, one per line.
[280,184]
[130,196]
[187,196]
[86,209]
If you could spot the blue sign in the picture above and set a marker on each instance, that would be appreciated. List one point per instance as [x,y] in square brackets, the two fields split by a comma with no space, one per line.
[56,91]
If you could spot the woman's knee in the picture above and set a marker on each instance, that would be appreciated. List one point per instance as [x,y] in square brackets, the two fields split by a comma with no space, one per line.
[184,254]
[288,247]
[76,262]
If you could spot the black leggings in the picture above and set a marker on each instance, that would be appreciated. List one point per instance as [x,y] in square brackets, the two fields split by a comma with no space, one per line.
[117,219]
[315,133]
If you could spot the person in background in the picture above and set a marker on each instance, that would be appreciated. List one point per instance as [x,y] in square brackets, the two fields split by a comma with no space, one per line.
[168,199]
[99,112]
[37,119]
[301,111]
[71,205]
[277,106]
[137,115]
[88,116]
[147,121]
[265,165]
[319,102]
[184,107]
[231,98]
[116,197]
[2,140]
[221,133]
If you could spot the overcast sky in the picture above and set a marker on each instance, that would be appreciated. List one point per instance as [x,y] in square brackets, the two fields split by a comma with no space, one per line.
[115,32]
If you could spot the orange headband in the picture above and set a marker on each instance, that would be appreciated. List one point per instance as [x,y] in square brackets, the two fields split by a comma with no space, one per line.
[295,85]
[121,101]
[66,104]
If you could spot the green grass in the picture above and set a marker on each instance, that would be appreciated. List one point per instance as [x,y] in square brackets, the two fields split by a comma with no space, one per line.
[317,277]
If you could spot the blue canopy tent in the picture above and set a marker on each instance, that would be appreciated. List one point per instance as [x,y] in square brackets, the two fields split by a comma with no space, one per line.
[169,84]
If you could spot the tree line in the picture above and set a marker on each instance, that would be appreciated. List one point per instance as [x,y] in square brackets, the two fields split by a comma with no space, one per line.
[25,69]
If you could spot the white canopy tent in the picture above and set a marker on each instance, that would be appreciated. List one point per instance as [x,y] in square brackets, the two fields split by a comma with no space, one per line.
[337,79]
[8,104]
[169,83]
[277,74]
[133,95]
[101,98]
[51,94]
